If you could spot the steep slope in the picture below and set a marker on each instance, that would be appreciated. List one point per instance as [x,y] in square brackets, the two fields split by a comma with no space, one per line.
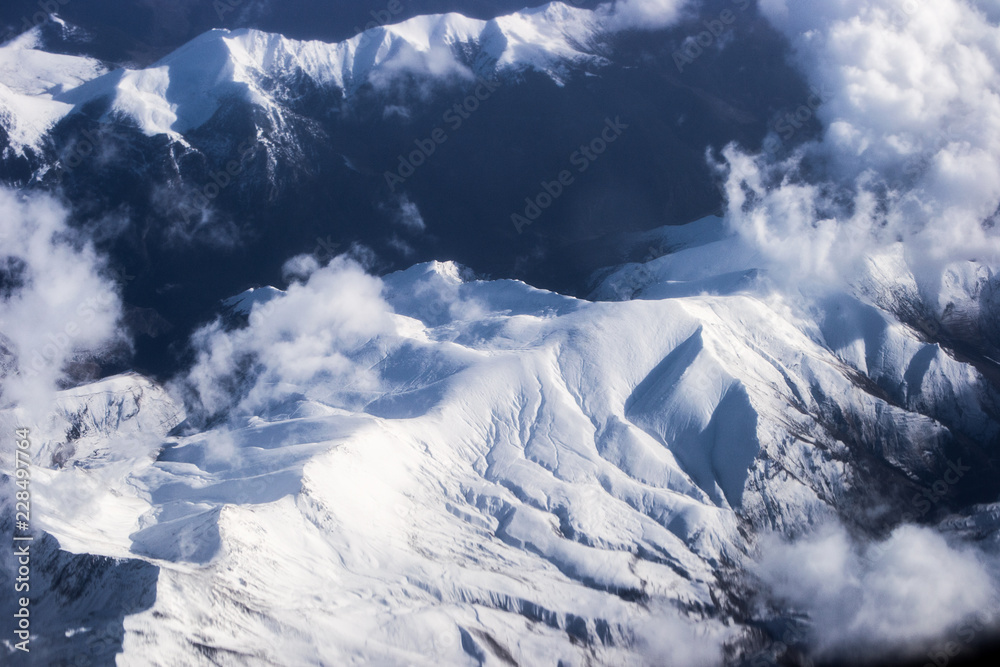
[31,83]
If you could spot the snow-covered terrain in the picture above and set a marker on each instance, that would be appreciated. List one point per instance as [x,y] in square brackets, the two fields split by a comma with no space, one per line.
[429,468]
[771,438]
[185,89]
[32,83]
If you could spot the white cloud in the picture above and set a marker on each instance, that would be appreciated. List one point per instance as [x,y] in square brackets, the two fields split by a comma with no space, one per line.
[911,118]
[192,217]
[396,111]
[436,63]
[907,165]
[641,14]
[302,343]
[408,216]
[667,639]
[56,305]
[866,600]
[299,268]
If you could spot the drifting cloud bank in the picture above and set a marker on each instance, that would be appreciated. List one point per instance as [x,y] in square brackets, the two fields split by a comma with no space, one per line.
[57,303]
[889,598]
[908,155]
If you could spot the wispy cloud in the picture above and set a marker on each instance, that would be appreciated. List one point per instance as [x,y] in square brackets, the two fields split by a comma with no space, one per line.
[301,341]
[57,304]
[641,14]
[407,215]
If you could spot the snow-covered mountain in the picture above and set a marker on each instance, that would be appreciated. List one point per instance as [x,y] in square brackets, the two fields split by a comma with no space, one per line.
[186,88]
[709,375]
[494,474]
[32,85]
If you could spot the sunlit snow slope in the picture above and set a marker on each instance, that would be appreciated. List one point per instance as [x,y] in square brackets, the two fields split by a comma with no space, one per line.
[31,84]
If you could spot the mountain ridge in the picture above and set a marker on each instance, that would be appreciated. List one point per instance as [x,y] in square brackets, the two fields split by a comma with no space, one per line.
[181,91]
